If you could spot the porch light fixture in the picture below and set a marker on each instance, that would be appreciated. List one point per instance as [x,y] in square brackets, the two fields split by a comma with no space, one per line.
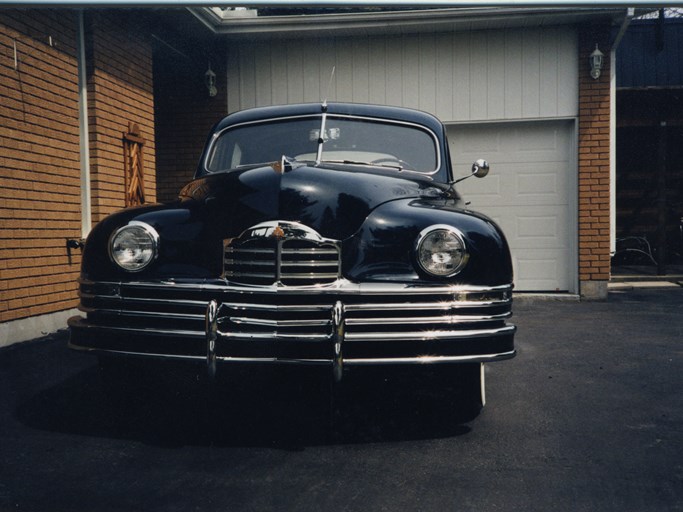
[596,59]
[210,81]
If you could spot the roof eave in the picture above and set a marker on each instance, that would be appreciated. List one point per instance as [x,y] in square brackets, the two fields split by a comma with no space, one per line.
[447,19]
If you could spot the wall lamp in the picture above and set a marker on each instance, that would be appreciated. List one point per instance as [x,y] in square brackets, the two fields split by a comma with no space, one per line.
[597,60]
[210,81]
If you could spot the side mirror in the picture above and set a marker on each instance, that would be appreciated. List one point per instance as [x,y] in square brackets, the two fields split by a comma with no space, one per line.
[480,168]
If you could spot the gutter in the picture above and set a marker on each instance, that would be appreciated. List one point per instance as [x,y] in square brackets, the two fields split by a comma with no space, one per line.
[464,17]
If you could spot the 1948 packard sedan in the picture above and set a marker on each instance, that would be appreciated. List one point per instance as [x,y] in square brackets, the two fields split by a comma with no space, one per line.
[311,234]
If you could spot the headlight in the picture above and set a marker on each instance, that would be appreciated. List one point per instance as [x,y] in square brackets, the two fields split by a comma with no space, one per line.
[134,246]
[440,250]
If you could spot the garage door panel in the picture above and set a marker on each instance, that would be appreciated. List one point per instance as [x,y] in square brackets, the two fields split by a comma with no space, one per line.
[542,272]
[533,229]
[548,144]
[520,185]
[538,228]
[486,191]
[541,185]
[529,192]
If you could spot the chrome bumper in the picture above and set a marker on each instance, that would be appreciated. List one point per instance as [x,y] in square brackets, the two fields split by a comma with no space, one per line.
[341,323]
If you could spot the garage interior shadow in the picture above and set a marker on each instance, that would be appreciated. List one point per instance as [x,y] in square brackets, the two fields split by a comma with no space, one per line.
[281,407]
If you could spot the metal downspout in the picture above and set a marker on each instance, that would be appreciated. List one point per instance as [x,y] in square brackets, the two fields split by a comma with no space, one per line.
[84,138]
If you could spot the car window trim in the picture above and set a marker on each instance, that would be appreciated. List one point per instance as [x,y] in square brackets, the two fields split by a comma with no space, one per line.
[429,131]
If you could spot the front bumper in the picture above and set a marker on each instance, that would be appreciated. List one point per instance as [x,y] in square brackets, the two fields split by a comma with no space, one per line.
[341,323]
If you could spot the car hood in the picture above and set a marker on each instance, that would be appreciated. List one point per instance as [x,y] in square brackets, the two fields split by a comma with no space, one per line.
[332,199]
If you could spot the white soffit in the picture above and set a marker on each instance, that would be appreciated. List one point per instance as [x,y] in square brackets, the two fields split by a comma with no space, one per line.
[399,22]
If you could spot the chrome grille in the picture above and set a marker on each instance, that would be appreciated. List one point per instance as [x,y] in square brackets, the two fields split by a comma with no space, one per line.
[252,265]
[283,253]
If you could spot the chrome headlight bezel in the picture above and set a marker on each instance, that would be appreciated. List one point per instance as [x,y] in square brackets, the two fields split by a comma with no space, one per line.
[145,252]
[431,235]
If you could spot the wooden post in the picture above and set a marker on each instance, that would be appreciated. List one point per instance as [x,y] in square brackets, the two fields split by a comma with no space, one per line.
[134,181]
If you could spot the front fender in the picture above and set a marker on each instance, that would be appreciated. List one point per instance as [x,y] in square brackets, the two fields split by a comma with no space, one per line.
[384,248]
[188,247]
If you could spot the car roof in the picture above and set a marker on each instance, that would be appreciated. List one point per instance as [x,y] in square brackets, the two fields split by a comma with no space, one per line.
[354,109]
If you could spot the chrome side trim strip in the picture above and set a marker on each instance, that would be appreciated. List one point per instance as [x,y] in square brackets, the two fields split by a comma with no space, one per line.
[419,320]
[278,323]
[430,335]
[341,286]
[142,314]
[274,336]
[435,359]
[143,331]
[488,358]
[146,301]
[249,306]
[412,306]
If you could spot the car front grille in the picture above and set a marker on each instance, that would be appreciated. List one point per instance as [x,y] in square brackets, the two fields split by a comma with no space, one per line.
[282,253]
[288,262]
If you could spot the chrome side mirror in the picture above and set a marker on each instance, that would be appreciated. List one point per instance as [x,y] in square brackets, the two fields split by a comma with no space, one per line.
[480,168]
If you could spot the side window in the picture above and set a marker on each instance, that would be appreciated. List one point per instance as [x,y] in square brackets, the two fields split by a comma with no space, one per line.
[236,156]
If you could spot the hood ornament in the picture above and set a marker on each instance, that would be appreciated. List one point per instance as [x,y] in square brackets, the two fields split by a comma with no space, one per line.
[285,164]
[277,233]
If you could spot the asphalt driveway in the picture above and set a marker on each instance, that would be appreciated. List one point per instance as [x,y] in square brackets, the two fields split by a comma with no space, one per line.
[588,417]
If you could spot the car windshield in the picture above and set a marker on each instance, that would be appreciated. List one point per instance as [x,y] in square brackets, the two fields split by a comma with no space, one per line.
[358,141]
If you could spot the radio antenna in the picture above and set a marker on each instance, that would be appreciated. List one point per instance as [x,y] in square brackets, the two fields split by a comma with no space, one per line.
[329,86]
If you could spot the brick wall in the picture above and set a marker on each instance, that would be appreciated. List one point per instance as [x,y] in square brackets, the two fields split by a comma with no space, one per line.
[185,114]
[594,166]
[40,192]
[120,90]
[39,162]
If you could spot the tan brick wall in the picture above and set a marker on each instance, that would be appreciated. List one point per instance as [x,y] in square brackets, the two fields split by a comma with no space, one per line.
[40,192]
[39,162]
[594,160]
[120,90]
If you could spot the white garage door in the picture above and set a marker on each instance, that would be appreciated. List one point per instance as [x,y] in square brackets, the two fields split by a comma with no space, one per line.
[530,192]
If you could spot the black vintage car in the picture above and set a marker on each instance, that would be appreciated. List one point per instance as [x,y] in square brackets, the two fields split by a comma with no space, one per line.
[311,234]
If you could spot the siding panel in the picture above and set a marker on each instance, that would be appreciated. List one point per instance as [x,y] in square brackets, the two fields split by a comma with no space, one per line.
[495,77]
[531,75]
[361,71]
[567,81]
[394,60]
[427,73]
[295,72]
[263,76]
[378,71]
[478,85]
[411,65]
[460,76]
[279,84]
[513,75]
[444,75]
